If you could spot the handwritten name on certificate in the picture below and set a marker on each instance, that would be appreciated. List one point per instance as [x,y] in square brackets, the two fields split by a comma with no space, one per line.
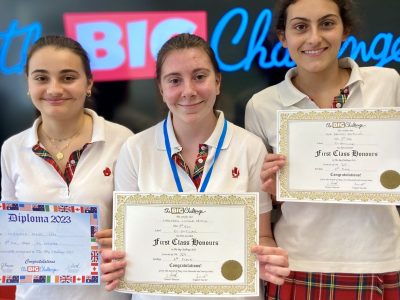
[42,243]
[343,155]
[188,244]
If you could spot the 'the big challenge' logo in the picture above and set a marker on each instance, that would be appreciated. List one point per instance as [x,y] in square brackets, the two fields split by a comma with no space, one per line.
[124,45]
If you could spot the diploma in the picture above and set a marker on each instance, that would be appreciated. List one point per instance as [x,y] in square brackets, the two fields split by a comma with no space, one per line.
[346,155]
[187,244]
[47,244]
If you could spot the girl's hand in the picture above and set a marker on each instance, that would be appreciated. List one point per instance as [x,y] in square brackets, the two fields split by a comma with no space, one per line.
[104,238]
[272,163]
[274,263]
[112,267]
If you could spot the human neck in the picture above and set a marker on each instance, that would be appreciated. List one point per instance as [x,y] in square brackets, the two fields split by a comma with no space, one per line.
[62,129]
[322,87]
[190,135]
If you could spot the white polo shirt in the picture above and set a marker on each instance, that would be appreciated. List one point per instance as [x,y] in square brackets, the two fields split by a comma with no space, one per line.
[27,177]
[348,238]
[143,165]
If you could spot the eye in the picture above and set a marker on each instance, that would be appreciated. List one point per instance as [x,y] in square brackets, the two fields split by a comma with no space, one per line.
[40,78]
[300,27]
[200,76]
[69,78]
[174,81]
[327,24]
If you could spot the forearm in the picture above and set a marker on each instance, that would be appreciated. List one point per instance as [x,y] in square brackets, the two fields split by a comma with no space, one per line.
[267,241]
[266,237]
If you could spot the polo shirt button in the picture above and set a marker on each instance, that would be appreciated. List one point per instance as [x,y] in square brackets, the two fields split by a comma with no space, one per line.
[72,162]
[200,160]
[203,148]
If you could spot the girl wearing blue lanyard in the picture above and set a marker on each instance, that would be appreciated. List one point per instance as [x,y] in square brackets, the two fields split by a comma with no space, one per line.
[194,150]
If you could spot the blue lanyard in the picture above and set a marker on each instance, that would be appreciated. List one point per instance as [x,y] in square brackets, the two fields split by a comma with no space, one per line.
[173,165]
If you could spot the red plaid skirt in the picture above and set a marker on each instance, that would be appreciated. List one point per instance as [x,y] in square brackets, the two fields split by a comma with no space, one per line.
[331,286]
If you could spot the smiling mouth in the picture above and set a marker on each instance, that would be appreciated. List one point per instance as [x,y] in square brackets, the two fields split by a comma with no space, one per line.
[189,105]
[55,99]
[314,52]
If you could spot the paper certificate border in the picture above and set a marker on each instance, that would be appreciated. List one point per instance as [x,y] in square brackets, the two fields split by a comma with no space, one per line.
[285,117]
[248,200]
[61,279]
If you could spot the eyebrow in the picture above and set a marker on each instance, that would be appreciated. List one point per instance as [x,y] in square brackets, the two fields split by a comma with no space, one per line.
[62,71]
[171,74]
[201,69]
[307,20]
[179,74]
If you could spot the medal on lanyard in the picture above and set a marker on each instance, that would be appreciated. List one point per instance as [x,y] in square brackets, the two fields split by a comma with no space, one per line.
[173,165]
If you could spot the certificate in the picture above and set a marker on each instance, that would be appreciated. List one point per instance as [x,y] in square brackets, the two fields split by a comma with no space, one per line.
[346,156]
[188,244]
[42,243]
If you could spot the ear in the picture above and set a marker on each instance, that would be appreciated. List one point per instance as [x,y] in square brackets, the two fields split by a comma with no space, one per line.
[27,83]
[282,38]
[90,84]
[159,88]
[218,79]
[346,34]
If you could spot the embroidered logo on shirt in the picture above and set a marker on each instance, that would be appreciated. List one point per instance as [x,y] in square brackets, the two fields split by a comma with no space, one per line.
[107,171]
[235,172]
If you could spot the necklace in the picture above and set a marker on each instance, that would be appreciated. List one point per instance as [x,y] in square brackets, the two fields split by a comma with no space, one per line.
[60,152]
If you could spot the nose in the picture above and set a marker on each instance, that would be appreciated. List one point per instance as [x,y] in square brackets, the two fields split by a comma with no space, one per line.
[315,36]
[188,89]
[54,88]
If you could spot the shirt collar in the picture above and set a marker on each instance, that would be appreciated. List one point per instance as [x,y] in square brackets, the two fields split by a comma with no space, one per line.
[216,134]
[291,95]
[212,141]
[98,131]
[355,75]
[32,137]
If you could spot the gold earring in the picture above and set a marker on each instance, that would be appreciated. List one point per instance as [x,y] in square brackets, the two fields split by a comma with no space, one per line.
[88,94]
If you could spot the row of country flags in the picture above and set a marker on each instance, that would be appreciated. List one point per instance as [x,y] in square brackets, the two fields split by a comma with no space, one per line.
[47,207]
[53,279]
[26,207]
[56,279]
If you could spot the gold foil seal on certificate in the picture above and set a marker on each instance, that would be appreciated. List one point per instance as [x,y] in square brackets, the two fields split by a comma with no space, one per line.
[390,179]
[231,270]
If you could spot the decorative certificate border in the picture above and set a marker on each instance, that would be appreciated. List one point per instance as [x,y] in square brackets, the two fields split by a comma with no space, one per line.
[325,115]
[249,202]
[61,279]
